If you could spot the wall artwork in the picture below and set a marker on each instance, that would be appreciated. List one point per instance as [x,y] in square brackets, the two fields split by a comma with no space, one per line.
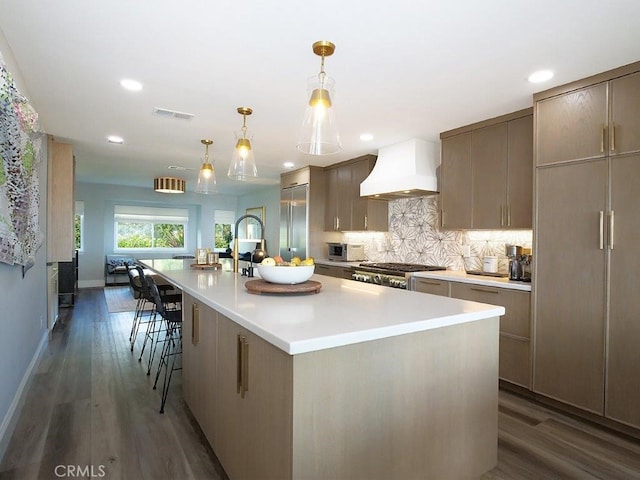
[20,140]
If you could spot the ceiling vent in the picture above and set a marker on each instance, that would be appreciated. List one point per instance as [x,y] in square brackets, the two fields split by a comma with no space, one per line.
[164,112]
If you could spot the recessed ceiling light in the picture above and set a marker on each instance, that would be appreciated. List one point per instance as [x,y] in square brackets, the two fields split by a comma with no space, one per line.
[129,84]
[115,139]
[541,76]
[288,164]
[366,137]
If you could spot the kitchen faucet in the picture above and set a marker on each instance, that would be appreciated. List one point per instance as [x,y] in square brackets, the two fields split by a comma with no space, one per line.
[235,239]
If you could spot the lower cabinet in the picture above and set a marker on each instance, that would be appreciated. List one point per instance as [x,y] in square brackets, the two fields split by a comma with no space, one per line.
[254,403]
[515,325]
[52,294]
[199,331]
[238,388]
[429,285]
[334,413]
[334,271]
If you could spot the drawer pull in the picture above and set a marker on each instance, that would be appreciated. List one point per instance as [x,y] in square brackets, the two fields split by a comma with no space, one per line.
[486,290]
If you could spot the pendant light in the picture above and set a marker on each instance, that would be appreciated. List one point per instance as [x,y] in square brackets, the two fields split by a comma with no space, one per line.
[319,134]
[206,176]
[243,164]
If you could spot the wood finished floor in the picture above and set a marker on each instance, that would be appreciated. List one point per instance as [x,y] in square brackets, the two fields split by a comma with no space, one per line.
[91,404]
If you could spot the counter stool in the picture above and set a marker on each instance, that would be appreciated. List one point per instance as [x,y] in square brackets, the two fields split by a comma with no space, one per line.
[172,346]
[154,327]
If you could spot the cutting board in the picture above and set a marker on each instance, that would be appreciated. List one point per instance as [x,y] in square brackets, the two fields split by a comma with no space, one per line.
[262,286]
[206,266]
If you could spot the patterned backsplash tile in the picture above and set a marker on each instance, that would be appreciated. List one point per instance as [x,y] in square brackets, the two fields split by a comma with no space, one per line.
[414,237]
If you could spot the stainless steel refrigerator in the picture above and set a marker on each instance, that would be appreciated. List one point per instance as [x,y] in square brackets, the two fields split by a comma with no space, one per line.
[293,222]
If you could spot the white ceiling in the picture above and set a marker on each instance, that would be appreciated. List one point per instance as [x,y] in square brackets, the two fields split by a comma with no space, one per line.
[402,68]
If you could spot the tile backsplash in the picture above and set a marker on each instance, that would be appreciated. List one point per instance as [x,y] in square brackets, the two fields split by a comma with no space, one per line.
[414,237]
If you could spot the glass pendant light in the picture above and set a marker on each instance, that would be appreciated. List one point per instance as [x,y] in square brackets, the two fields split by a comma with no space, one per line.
[243,164]
[319,134]
[206,176]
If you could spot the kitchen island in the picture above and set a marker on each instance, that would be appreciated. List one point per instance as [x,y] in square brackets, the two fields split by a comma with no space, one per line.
[357,381]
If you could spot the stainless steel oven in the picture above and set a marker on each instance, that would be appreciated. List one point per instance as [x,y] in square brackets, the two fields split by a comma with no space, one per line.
[390,274]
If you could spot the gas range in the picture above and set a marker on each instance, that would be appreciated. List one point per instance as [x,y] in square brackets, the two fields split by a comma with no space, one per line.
[390,274]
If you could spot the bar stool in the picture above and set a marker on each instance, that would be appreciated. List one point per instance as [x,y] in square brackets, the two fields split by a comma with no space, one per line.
[138,293]
[172,347]
[154,327]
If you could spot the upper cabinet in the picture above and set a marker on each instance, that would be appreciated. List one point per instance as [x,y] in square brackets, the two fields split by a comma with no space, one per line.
[345,209]
[487,174]
[60,201]
[589,122]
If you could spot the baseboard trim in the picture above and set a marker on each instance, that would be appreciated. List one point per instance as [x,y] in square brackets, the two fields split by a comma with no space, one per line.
[11,418]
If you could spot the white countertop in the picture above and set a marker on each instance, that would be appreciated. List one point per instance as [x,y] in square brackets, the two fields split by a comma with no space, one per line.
[344,312]
[463,277]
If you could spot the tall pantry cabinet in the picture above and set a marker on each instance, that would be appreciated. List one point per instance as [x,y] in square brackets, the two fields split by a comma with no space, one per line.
[586,303]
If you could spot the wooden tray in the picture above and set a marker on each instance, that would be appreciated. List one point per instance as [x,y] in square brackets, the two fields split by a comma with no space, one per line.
[262,286]
[206,266]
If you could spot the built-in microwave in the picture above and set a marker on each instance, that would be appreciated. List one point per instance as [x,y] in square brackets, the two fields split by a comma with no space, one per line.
[346,252]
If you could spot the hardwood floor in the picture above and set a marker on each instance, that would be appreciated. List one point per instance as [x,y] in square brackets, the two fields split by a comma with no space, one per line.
[90,405]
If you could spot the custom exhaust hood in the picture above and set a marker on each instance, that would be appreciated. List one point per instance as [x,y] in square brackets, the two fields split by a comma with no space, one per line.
[406,169]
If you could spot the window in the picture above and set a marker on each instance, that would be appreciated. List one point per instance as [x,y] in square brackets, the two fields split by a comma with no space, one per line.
[149,228]
[79,226]
[224,220]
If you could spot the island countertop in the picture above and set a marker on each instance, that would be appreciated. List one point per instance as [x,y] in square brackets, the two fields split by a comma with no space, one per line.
[344,312]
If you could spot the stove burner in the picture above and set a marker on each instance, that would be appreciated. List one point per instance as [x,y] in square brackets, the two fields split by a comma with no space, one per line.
[401,267]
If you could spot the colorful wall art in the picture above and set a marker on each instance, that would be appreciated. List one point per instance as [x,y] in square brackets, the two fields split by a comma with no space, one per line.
[20,140]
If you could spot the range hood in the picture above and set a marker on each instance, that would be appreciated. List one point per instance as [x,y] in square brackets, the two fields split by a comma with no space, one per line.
[406,169]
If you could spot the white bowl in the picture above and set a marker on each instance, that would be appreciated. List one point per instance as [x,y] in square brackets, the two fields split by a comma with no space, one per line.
[286,275]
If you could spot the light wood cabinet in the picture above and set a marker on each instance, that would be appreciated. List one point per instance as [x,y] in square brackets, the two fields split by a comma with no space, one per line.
[432,286]
[624,119]
[585,273]
[254,394]
[515,327]
[569,282]
[515,324]
[456,182]
[623,367]
[279,416]
[60,201]
[294,178]
[337,271]
[572,126]
[487,174]
[589,122]
[199,326]
[345,209]
[52,295]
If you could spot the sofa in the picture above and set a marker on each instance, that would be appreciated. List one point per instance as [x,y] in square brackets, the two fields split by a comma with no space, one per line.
[116,269]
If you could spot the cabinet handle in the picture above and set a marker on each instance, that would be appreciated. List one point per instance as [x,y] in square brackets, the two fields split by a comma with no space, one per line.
[337,223]
[429,282]
[602,139]
[611,227]
[366,223]
[613,137]
[245,368]
[486,290]
[508,215]
[601,239]
[442,218]
[239,364]
[502,215]
[195,324]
